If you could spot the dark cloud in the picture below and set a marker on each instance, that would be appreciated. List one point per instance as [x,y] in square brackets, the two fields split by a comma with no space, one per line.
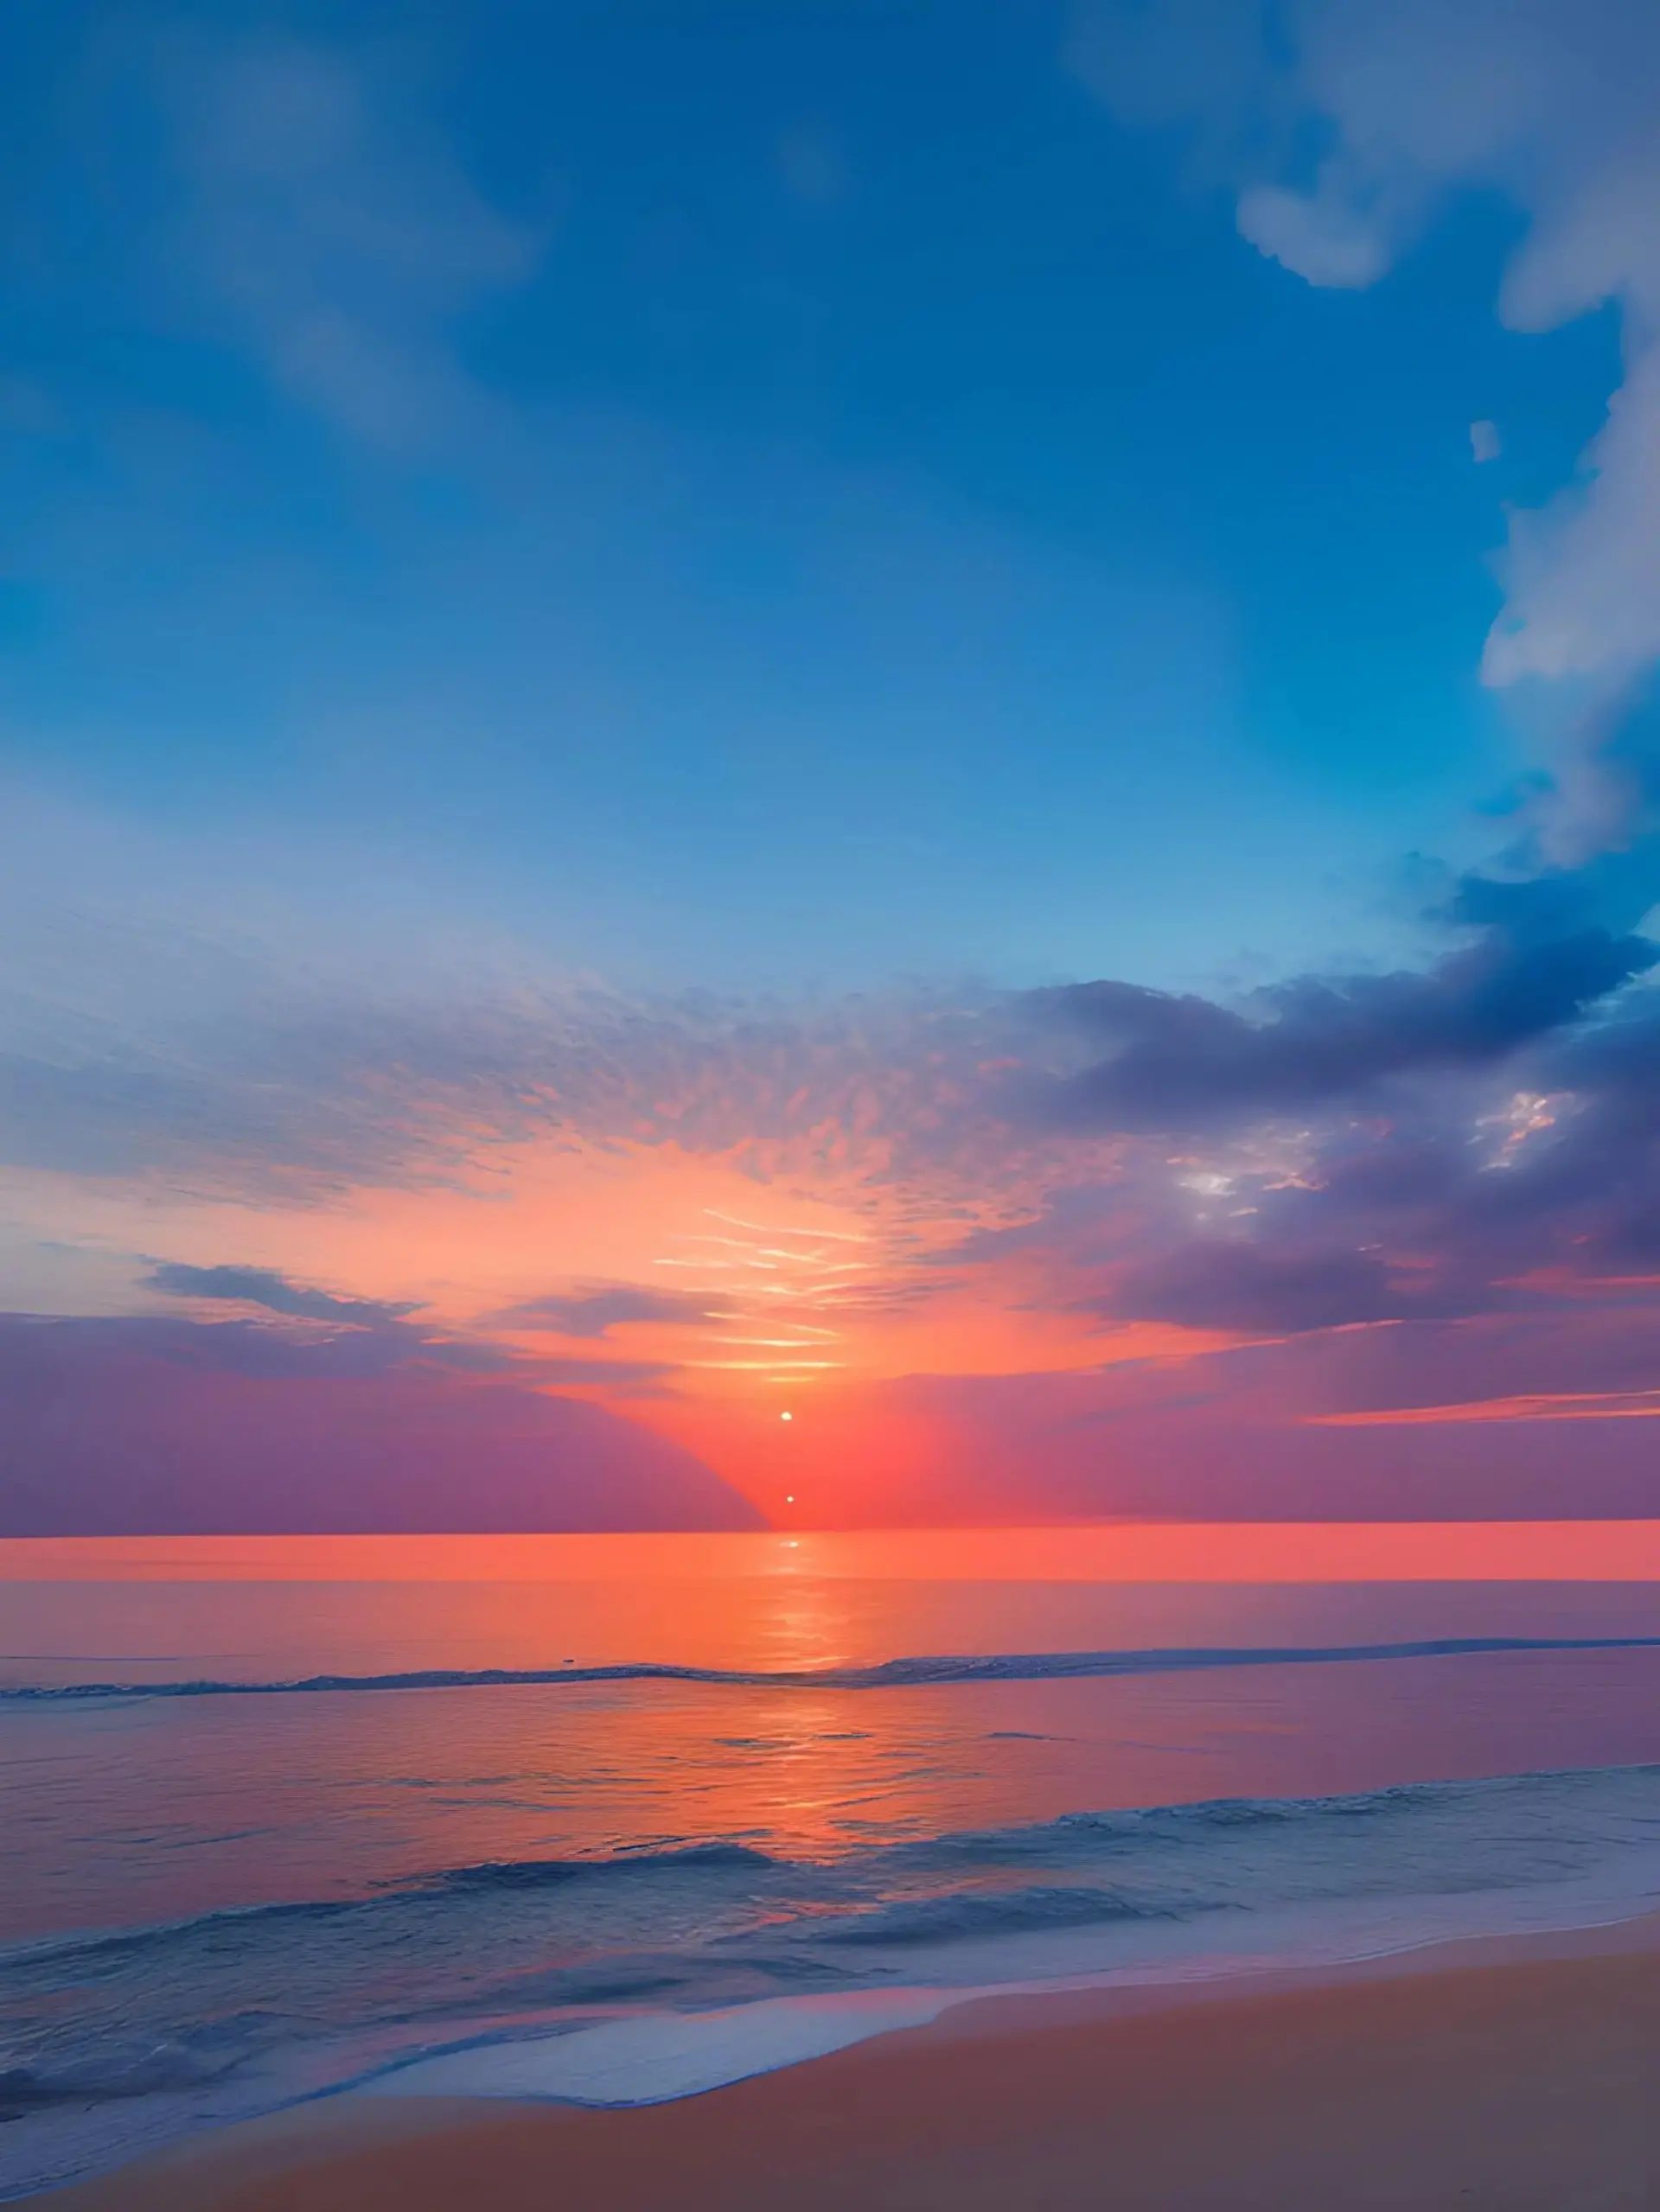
[1478,1138]
[264,1286]
[1186,1062]
[270,1349]
[1526,909]
[1613,891]
[1530,1201]
[373,1336]
[1230,1284]
[594,1313]
[359,1336]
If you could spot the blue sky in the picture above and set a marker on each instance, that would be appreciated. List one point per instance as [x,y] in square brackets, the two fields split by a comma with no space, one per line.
[997,661]
[782,495]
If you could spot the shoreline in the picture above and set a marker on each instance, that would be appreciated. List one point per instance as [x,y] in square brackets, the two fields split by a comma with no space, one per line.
[1510,2070]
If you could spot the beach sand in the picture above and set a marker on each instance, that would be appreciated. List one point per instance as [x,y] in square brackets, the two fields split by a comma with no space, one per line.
[1531,2083]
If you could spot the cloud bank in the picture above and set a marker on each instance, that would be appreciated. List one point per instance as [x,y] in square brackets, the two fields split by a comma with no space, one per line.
[129,1425]
[1042,1250]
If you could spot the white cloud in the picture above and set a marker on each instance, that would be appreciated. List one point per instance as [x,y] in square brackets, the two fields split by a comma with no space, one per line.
[336,229]
[1552,102]
[1331,235]
[1485,443]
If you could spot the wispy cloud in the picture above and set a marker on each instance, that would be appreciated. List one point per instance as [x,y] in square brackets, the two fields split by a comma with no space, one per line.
[835,1196]
[264,1287]
[327,222]
[1564,1406]
[596,1312]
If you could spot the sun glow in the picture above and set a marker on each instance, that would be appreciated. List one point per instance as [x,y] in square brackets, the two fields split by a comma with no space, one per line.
[808,1275]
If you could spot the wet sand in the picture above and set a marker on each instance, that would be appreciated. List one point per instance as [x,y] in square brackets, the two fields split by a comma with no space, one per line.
[1530,2084]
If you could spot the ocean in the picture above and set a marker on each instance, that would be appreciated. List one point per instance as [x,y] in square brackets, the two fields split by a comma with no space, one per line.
[614,1819]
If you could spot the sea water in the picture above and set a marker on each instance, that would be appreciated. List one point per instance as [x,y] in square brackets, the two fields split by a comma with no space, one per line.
[613,1820]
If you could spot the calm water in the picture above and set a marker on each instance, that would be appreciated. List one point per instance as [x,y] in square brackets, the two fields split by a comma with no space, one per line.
[222,1893]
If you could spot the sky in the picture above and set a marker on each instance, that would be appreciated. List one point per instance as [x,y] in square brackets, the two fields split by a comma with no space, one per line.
[828,764]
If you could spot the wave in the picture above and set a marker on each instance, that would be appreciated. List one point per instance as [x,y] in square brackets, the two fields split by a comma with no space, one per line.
[479,1879]
[530,1873]
[884,1674]
[663,1970]
[924,1890]
[1001,1912]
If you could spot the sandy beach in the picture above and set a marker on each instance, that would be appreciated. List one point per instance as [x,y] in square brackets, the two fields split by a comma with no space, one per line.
[1524,2083]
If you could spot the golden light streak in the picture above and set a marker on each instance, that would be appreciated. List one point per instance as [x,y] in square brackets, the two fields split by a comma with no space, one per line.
[768,1266]
[772,1368]
[829,1236]
[799,1268]
[777,1344]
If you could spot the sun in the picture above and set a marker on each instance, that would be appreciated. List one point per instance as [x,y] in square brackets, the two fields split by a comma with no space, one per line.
[786,1417]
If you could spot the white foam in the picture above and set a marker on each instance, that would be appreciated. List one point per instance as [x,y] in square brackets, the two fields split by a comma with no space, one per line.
[650,2058]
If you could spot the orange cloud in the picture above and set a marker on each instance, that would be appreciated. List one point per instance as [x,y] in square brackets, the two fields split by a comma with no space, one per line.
[1561,1406]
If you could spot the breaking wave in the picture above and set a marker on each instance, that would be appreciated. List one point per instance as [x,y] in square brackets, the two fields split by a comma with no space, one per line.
[884,1675]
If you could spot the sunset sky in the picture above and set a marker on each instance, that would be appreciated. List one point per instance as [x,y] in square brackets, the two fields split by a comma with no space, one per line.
[829,763]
